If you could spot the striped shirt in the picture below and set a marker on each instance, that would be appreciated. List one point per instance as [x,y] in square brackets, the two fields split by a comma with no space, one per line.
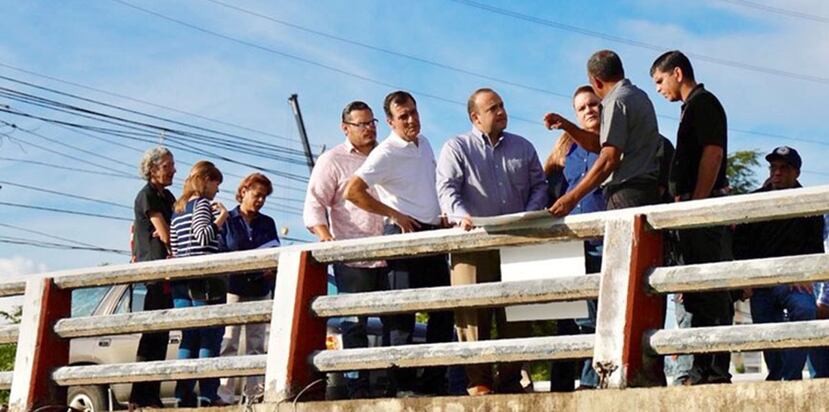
[192,232]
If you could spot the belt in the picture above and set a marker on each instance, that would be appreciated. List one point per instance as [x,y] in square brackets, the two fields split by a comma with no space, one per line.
[714,193]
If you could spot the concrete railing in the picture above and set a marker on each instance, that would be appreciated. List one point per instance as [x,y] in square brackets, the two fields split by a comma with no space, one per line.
[625,348]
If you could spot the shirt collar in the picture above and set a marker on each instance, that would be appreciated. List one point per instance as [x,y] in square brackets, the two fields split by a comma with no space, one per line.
[350,147]
[484,139]
[612,93]
[398,141]
[696,91]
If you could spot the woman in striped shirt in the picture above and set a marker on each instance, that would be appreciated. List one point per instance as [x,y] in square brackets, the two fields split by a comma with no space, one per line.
[194,231]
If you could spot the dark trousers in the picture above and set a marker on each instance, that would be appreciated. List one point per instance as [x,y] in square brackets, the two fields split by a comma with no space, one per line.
[412,273]
[152,346]
[706,245]
[562,373]
[355,280]
[631,194]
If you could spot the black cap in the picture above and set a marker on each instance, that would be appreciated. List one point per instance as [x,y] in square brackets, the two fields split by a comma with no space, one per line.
[786,154]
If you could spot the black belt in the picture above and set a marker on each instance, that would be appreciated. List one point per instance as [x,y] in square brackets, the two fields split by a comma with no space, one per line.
[714,193]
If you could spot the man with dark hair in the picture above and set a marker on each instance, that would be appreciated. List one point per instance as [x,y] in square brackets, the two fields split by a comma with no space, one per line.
[402,171]
[487,172]
[698,172]
[795,236]
[328,216]
[628,141]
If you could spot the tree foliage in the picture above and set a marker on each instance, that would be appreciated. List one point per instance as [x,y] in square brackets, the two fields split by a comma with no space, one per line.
[740,171]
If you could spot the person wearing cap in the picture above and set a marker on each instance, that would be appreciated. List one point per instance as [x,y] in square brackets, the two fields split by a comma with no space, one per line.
[698,172]
[794,236]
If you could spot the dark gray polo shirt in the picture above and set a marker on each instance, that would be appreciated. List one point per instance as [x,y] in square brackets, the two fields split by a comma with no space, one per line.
[629,123]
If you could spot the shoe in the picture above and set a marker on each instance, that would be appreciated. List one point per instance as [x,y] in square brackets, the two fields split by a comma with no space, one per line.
[479,390]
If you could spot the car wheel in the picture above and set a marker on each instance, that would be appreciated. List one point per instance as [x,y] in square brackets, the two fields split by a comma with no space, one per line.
[88,398]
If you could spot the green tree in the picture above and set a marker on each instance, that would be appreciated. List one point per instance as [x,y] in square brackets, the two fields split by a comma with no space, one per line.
[740,171]
[7,351]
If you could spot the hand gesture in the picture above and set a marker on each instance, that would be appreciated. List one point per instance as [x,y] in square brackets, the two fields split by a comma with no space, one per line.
[222,210]
[554,121]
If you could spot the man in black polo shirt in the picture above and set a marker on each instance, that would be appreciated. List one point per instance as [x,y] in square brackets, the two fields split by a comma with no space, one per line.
[698,172]
[151,241]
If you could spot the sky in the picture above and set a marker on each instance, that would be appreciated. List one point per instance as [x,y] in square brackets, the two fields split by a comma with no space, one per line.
[231,67]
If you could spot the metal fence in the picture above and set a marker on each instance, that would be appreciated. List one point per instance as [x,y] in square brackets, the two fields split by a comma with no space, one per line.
[625,348]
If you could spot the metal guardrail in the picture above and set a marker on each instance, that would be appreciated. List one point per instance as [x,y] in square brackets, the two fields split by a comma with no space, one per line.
[630,285]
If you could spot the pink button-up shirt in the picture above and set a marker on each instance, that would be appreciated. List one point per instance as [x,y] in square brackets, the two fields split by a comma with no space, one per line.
[324,199]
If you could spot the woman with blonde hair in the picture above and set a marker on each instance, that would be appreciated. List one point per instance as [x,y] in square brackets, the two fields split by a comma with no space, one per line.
[195,231]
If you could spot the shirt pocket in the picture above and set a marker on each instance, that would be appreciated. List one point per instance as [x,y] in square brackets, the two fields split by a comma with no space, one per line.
[517,174]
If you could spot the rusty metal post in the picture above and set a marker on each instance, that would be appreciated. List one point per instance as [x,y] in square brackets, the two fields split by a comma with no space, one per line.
[295,332]
[39,349]
[625,310]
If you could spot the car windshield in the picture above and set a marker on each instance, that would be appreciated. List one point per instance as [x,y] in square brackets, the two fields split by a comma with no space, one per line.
[84,301]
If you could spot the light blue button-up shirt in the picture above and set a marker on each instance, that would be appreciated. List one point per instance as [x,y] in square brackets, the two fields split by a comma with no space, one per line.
[476,178]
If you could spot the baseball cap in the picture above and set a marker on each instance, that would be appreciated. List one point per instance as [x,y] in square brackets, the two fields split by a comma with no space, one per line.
[786,154]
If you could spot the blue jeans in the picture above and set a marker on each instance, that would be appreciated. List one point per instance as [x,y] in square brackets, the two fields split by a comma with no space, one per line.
[767,305]
[196,343]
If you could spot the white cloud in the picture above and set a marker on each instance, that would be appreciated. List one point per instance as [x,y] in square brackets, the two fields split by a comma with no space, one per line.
[18,267]
[15,268]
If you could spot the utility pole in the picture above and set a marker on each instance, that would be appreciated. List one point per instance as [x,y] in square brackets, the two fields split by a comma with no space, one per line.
[309,157]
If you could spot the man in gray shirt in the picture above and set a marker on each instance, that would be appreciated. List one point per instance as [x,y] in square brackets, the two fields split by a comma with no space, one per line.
[487,172]
[628,141]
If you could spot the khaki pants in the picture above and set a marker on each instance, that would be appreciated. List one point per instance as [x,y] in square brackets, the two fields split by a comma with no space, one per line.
[476,324]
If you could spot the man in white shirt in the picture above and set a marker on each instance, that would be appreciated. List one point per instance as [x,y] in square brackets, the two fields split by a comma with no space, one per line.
[401,170]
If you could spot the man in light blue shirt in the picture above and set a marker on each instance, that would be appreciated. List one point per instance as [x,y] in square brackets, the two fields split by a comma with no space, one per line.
[487,172]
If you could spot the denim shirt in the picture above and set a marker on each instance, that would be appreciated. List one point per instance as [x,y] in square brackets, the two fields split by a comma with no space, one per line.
[236,235]
[578,162]
[576,165]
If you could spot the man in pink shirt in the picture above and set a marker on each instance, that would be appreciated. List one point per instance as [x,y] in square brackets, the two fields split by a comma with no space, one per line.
[329,217]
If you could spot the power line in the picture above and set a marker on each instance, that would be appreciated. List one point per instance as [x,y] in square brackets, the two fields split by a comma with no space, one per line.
[64,194]
[182,146]
[637,43]
[390,52]
[269,207]
[73,169]
[71,212]
[778,10]
[283,54]
[46,149]
[51,245]
[151,104]
[424,94]
[137,129]
[137,150]
[253,142]
[51,236]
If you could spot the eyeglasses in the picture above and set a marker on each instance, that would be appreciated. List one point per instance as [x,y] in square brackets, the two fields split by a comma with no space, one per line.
[363,125]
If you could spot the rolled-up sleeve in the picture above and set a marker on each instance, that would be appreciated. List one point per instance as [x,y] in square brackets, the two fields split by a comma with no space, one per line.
[449,182]
[322,188]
